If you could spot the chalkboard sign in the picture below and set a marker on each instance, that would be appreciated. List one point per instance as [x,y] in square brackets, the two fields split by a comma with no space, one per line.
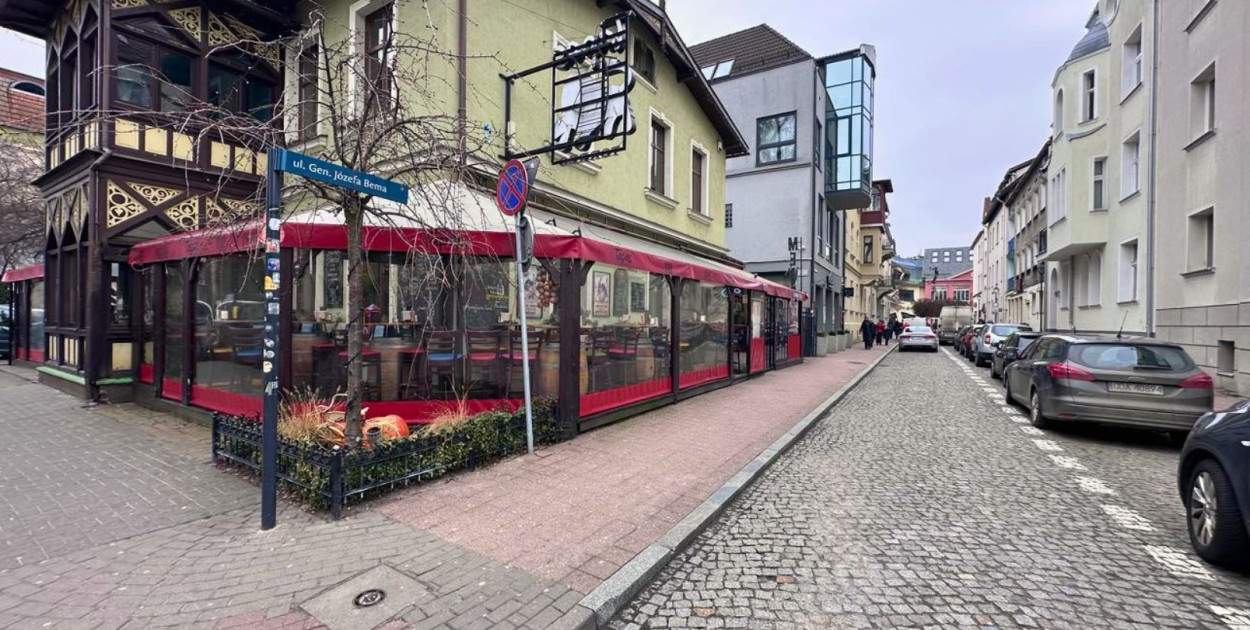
[487,296]
[332,279]
[620,293]
[637,297]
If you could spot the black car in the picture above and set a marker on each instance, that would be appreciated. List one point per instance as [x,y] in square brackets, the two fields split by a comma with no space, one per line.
[1010,349]
[1214,480]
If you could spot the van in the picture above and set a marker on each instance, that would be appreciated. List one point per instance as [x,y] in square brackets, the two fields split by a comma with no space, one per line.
[953,319]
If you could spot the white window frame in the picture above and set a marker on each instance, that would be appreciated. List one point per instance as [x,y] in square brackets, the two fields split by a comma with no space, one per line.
[294,54]
[658,116]
[1057,114]
[357,13]
[1130,166]
[1128,272]
[1059,208]
[1131,70]
[1203,103]
[1096,182]
[1089,96]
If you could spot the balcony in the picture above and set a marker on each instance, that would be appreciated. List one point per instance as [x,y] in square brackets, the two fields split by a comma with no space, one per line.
[1012,283]
[848,132]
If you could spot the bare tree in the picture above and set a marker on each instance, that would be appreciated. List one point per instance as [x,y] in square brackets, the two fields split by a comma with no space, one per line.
[21,207]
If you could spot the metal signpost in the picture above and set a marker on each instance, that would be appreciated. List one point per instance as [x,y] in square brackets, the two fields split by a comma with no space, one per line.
[284,161]
[511,193]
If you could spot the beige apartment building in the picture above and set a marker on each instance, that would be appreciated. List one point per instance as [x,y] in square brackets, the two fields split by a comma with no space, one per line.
[1201,273]
[1099,175]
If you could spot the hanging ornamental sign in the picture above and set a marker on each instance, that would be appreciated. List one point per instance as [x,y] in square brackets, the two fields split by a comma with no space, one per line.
[590,84]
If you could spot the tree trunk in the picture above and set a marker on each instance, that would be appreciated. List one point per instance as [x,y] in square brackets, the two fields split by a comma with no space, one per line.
[353,212]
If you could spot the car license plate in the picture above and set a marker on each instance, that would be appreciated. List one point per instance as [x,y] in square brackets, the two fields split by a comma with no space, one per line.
[1135,388]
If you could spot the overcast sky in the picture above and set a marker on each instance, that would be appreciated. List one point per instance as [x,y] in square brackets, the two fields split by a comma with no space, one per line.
[963,88]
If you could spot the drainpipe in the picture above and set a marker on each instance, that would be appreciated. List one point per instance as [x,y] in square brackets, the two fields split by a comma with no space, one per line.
[1152,115]
[462,88]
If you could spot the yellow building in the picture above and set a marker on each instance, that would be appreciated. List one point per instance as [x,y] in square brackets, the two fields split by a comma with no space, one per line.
[869,249]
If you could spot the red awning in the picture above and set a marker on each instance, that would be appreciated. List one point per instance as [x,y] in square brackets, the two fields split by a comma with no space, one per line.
[29,272]
[301,235]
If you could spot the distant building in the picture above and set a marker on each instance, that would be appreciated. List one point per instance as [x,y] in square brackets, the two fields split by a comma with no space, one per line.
[957,287]
[948,260]
[785,194]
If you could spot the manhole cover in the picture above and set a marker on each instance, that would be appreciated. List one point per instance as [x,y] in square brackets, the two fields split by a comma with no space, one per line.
[369,598]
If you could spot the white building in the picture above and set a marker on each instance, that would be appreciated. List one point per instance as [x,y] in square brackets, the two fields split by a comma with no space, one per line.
[1201,271]
[994,285]
[1098,175]
[978,272]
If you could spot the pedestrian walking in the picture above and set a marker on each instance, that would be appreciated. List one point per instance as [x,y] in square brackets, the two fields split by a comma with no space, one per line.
[880,330]
[888,333]
[868,332]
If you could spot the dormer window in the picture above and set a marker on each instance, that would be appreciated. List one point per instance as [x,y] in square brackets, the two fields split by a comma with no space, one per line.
[643,60]
[718,70]
[28,87]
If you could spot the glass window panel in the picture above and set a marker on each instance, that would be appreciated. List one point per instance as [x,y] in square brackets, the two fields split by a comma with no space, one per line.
[175,80]
[175,284]
[704,333]
[838,72]
[229,325]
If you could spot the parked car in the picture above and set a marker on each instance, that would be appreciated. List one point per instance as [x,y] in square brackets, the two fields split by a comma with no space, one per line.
[1009,350]
[1136,382]
[959,339]
[1214,481]
[969,339]
[984,343]
[953,319]
[4,341]
[918,337]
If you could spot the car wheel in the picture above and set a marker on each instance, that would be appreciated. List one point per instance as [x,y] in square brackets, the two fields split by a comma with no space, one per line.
[1036,416]
[993,369]
[979,361]
[1007,391]
[1216,529]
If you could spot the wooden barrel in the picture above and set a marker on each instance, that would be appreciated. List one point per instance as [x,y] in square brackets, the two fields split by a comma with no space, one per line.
[645,361]
[584,381]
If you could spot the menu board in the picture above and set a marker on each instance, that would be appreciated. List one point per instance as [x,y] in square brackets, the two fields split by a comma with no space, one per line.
[332,279]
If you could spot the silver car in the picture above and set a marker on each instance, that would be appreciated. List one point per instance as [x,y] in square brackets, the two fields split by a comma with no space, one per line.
[985,342]
[1134,382]
[918,337]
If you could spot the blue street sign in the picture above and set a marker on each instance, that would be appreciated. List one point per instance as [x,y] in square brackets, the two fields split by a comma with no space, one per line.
[513,188]
[335,175]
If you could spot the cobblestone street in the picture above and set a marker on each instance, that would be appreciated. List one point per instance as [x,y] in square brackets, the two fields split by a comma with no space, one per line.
[922,501]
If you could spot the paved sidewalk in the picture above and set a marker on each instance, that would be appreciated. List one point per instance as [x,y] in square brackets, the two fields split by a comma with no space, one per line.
[114,517]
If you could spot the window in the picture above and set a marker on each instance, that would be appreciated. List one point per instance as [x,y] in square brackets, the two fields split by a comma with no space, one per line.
[1202,103]
[718,70]
[644,60]
[939,293]
[659,163]
[775,140]
[308,108]
[1128,272]
[152,77]
[867,248]
[1059,192]
[1058,117]
[816,145]
[1089,94]
[1100,184]
[1202,240]
[1131,63]
[729,215]
[1130,157]
[232,91]
[961,295]
[698,162]
[1089,280]
[377,54]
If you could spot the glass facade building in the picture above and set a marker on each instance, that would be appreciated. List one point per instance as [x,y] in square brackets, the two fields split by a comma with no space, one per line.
[848,128]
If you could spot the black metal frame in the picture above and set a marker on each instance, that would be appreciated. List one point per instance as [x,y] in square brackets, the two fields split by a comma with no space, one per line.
[603,66]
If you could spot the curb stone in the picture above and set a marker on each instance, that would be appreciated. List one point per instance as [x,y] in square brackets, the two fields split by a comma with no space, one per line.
[613,593]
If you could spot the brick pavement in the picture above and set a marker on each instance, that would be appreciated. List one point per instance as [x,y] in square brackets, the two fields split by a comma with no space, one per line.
[114,517]
[920,502]
[581,509]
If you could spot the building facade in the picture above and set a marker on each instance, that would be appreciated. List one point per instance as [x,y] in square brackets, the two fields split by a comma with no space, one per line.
[957,287]
[1099,175]
[1201,272]
[978,272]
[151,289]
[1026,217]
[946,261]
[870,249]
[778,199]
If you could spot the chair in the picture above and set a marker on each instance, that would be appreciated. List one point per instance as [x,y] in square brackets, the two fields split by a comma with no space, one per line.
[601,342]
[484,357]
[625,349]
[371,372]
[534,338]
[660,341]
[246,349]
[442,358]
[412,366]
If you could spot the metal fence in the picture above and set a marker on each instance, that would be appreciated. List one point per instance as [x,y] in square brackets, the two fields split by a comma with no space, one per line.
[334,477]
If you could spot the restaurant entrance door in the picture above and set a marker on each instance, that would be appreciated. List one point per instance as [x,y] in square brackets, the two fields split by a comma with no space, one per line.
[770,332]
[739,332]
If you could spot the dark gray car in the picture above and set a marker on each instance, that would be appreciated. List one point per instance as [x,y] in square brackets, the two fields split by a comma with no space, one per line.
[1134,382]
[1010,349]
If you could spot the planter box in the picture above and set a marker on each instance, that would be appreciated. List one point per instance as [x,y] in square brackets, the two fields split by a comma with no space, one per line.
[841,342]
[822,346]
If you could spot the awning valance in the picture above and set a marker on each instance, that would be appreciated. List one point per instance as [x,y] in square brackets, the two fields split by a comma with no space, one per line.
[29,272]
[484,233]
